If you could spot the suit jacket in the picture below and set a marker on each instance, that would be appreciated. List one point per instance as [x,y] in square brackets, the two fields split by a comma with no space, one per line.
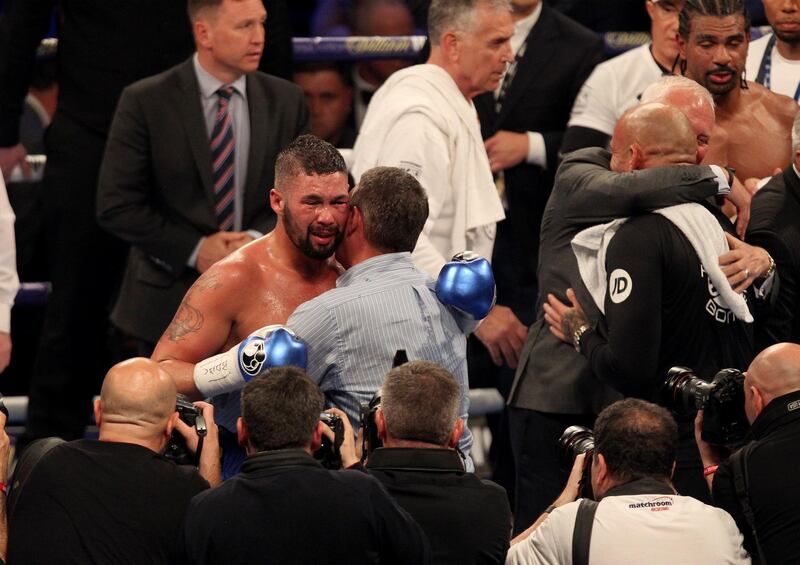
[156,189]
[552,377]
[560,55]
[775,226]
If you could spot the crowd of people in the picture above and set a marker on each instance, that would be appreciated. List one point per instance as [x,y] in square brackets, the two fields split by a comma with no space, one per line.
[308,275]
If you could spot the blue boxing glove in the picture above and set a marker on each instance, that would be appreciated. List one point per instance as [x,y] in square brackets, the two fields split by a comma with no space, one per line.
[268,347]
[467,283]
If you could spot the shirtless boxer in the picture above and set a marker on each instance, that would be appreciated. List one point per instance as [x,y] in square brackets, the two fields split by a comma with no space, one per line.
[753,129]
[264,281]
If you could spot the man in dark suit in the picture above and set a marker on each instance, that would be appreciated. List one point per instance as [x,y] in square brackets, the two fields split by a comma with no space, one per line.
[523,123]
[104,46]
[189,162]
[775,226]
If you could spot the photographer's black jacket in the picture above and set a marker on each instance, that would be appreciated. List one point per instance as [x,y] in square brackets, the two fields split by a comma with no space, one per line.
[467,520]
[774,489]
[284,507]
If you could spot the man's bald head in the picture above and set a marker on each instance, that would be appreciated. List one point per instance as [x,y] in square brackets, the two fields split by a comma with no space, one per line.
[775,371]
[137,399]
[652,135]
[690,98]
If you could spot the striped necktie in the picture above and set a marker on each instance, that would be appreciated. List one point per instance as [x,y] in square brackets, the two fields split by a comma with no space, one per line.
[222,156]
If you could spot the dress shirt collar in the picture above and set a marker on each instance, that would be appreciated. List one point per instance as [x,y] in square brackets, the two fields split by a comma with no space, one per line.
[209,84]
[411,459]
[376,266]
[796,172]
[524,26]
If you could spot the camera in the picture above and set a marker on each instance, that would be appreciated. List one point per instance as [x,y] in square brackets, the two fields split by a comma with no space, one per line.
[574,441]
[369,430]
[329,454]
[191,415]
[722,401]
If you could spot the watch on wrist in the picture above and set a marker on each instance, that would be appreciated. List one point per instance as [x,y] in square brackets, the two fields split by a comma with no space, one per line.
[770,271]
[577,334]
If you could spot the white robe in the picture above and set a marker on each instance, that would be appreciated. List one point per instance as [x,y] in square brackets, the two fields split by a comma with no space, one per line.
[421,122]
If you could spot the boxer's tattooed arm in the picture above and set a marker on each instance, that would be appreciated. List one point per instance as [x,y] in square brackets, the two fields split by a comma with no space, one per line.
[188,319]
[206,282]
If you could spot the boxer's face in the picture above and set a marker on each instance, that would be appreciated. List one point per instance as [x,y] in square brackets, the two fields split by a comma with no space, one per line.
[715,52]
[233,35]
[485,51]
[314,211]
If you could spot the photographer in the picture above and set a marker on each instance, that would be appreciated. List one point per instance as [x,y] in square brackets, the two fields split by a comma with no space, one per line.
[638,518]
[467,520]
[768,465]
[284,507]
[116,500]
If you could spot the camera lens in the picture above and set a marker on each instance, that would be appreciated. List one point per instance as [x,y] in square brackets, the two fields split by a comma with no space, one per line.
[684,392]
[574,441]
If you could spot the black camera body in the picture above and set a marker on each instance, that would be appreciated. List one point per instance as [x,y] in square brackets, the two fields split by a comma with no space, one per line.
[329,454]
[369,430]
[722,401]
[574,441]
[192,416]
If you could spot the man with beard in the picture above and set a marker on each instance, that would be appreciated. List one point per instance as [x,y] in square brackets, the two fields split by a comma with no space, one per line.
[772,60]
[383,303]
[753,129]
[261,283]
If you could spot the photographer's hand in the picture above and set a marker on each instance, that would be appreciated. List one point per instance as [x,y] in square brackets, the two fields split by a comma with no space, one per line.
[209,465]
[347,450]
[709,455]
[569,494]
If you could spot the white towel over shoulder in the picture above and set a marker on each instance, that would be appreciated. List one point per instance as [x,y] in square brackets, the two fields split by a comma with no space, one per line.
[695,222]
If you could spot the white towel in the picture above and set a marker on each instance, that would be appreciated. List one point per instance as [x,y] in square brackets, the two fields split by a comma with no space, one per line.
[429,90]
[699,226]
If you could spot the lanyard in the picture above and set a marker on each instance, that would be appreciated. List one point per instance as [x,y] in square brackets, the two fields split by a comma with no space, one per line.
[765,69]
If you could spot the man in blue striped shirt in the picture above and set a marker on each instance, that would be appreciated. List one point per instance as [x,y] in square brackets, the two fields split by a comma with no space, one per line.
[382,303]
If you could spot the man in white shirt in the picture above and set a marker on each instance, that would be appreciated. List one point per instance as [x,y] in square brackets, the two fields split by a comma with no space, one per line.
[774,59]
[423,121]
[9,282]
[639,518]
[616,85]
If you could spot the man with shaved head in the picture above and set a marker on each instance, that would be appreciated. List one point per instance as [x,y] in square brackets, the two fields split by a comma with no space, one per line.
[772,405]
[554,386]
[116,500]
[657,280]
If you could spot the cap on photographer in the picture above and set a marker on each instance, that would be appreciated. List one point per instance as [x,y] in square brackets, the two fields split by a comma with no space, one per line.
[115,499]
[772,405]
[284,504]
[639,518]
[466,519]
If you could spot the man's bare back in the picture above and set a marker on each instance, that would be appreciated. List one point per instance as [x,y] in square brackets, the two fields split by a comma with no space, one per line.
[753,132]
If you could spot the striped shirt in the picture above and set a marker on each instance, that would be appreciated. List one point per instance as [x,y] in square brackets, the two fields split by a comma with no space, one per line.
[353,331]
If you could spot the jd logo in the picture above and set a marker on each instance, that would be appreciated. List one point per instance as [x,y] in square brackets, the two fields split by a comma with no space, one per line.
[620,285]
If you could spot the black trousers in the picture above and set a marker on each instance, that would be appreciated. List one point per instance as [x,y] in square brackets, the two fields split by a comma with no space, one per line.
[84,266]
[540,475]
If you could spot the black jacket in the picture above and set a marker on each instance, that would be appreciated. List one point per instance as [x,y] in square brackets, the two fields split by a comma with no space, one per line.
[774,490]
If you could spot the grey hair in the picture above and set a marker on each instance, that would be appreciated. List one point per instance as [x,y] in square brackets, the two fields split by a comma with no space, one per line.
[660,89]
[796,134]
[457,15]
